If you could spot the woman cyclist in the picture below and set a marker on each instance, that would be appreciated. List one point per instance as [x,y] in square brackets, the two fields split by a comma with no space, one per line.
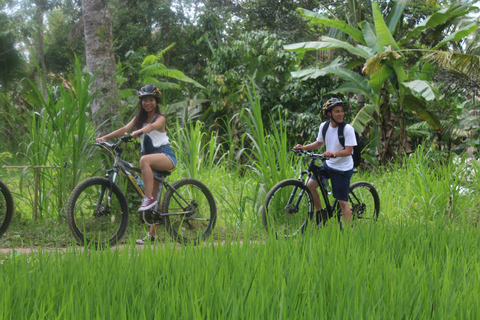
[150,125]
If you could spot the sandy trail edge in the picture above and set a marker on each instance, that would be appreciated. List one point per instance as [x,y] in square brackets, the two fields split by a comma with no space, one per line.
[25,250]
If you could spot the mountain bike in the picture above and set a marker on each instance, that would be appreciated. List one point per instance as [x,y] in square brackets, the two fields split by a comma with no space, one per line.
[6,207]
[289,207]
[97,210]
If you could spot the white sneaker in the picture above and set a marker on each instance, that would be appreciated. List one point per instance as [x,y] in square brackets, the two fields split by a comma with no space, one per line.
[144,240]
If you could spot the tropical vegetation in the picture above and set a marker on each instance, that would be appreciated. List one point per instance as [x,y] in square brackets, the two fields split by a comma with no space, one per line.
[242,82]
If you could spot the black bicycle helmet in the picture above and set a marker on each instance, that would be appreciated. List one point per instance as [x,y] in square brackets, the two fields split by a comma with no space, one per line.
[149,90]
[328,106]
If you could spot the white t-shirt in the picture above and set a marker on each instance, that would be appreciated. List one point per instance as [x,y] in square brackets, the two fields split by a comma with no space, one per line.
[333,144]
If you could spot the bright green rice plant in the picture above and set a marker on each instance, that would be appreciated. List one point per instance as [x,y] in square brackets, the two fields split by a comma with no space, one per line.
[388,270]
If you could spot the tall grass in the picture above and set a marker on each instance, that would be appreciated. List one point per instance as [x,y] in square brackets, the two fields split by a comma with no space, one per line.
[58,133]
[424,189]
[269,153]
[189,144]
[385,271]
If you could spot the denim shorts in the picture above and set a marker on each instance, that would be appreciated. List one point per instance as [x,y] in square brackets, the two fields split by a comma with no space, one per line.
[340,181]
[166,150]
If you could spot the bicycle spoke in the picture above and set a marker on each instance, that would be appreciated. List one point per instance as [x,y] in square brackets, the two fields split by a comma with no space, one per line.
[287,208]
[191,210]
[364,202]
[96,213]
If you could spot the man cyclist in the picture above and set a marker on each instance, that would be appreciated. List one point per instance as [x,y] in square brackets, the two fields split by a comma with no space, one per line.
[340,164]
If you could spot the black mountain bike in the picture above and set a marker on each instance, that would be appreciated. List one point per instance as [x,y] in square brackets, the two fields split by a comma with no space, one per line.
[289,204]
[97,210]
[6,208]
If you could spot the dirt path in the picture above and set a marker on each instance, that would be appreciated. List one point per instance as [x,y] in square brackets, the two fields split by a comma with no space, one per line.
[25,250]
[22,250]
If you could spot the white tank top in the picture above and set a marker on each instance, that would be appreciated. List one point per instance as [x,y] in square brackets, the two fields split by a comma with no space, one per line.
[158,138]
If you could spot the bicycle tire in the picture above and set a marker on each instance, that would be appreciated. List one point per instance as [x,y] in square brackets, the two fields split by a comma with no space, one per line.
[364,202]
[87,218]
[192,196]
[6,208]
[279,215]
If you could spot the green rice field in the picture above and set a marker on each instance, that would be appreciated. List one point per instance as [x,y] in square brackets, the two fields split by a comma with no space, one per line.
[383,271]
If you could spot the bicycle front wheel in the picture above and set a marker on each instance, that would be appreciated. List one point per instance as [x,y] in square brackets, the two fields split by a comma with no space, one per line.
[191,210]
[97,212]
[6,208]
[288,208]
[364,202]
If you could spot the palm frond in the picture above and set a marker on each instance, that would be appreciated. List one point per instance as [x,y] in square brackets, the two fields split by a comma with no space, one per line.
[160,54]
[341,25]
[363,117]
[418,107]
[160,84]
[424,88]
[373,64]
[457,35]
[467,64]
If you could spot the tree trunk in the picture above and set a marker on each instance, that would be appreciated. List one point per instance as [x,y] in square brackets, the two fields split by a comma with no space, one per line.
[361,101]
[38,45]
[387,128]
[100,60]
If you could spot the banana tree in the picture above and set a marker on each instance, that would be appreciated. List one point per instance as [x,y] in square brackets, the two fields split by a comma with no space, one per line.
[386,77]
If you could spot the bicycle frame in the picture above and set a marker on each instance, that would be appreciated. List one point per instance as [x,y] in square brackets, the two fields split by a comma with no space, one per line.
[313,169]
[122,166]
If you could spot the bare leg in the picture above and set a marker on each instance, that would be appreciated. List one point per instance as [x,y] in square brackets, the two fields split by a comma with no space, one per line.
[313,185]
[157,161]
[154,227]
[346,211]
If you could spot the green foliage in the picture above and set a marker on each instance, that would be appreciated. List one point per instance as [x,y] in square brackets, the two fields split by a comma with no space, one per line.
[58,132]
[255,55]
[385,66]
[431,188]
[63,39]
[269,152]
[328,274]
[153,71]
[190,146]
[10,58]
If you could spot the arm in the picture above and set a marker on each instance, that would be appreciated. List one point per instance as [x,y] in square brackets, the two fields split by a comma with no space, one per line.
[159,125]
[350,141]
[119,132]
[312,146]
[342,153]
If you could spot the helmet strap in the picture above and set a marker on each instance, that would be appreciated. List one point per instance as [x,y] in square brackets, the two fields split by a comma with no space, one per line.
[332,119]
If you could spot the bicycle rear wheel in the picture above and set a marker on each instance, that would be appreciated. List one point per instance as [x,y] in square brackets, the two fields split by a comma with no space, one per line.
[6,208]
[364,202]
[97,213]
[192,208]
[288,208]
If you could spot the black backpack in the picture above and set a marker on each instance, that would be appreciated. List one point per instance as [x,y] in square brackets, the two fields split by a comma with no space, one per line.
[357,150]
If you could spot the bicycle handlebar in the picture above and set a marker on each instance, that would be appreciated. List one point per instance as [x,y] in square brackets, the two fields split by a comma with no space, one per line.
[311,155]
[104,144]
